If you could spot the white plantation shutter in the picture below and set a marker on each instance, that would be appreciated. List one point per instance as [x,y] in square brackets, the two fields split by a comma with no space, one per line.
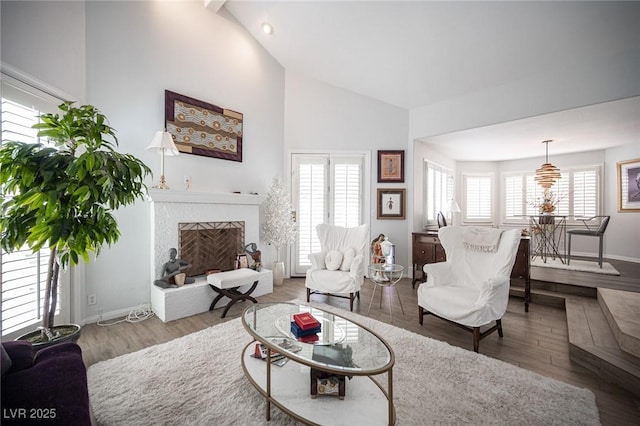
[560,190]
[327,188]
[585,193]
[478,198]
[514,197]
[347,192]
[578,191]
[23,273]
[438,191]
[534,193]
[311,206]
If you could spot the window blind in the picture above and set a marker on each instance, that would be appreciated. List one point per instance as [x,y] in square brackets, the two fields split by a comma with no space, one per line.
[577,192]
[23,273]
[478,198]
[438,187]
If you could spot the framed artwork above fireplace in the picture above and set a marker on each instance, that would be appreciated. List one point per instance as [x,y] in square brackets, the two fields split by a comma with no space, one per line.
[201,128]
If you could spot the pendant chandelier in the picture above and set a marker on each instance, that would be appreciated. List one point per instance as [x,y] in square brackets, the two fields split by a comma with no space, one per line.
[547,174]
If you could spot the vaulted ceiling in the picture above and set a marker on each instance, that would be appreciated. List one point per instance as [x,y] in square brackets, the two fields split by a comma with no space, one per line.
[417,53]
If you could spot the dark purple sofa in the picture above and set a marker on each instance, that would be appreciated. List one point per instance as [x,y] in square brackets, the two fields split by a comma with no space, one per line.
[44,387]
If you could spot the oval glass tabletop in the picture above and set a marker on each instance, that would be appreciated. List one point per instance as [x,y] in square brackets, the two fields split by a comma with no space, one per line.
[341,345]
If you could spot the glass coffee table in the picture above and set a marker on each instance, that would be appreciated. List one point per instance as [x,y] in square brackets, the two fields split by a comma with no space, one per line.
[286,383]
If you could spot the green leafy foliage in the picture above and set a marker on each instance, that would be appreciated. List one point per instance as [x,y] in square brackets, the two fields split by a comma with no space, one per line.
[64,195]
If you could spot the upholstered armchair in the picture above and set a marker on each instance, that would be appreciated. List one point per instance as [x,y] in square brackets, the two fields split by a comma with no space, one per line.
[338,269]
[470,289]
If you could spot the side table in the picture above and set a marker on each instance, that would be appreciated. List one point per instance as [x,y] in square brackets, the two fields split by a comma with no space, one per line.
[385,275]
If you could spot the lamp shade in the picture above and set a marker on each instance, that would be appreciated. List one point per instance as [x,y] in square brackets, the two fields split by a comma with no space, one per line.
[547,174]
[454,207]
[163,141]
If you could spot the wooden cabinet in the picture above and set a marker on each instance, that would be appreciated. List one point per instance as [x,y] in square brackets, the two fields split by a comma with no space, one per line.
[426,248]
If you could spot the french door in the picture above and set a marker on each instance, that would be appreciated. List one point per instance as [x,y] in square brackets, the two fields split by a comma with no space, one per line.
[326,188]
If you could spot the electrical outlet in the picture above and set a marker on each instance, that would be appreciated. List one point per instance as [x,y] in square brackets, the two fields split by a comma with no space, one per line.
[92,299]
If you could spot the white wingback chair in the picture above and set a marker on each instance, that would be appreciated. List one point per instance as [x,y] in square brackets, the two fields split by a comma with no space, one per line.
[470,289]
[338,269]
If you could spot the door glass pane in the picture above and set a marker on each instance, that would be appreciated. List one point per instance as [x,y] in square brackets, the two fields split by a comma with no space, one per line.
[311,208]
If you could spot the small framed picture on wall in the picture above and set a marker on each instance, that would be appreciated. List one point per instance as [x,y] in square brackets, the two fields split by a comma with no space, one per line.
[242,261]
[390,166]
[391,203]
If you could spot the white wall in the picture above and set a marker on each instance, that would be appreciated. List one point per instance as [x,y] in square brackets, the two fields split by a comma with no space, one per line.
[45,39]
[136,50]
[326,118]
[133,51]
[623,233]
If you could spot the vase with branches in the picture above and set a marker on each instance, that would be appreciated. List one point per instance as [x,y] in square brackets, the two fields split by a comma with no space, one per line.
[279,227]
[547,203]
[62,194]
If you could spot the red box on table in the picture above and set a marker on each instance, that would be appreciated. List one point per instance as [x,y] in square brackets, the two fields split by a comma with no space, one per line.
[305,321]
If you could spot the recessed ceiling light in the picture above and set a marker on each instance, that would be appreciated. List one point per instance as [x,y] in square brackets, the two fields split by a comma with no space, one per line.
[267,28]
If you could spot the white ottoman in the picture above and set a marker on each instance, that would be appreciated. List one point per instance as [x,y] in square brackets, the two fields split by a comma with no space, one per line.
[227,284]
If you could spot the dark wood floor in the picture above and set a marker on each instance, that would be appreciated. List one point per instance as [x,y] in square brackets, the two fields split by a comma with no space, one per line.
[536,340]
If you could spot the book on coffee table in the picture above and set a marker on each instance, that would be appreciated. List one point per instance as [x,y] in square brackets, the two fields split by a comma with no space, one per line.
[299,332]
[305,321]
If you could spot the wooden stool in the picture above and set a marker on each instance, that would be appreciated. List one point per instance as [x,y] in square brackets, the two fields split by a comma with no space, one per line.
[227,284]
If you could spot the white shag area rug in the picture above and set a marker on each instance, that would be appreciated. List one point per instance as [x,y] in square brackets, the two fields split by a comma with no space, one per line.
[198,380]
[577,265]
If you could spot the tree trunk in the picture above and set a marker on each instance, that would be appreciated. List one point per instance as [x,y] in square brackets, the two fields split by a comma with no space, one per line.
[51,293]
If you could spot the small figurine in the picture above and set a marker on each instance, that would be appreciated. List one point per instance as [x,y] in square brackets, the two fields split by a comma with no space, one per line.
[172,268]
[256,255]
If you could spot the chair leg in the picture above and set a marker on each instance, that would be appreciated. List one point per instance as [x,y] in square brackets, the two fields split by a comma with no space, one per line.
[420,314]
[600,252]
[308,294]
[499,325]
[569,249]
[351,297]
[476,339]
[358,294]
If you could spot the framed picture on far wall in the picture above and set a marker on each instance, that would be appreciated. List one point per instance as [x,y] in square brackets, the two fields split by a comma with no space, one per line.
[390,166]
[391,203]
[629,185]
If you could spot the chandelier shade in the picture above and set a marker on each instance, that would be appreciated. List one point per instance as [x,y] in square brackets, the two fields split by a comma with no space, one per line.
[547,174]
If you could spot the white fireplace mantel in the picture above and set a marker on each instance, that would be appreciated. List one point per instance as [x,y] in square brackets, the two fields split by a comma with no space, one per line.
[170,196]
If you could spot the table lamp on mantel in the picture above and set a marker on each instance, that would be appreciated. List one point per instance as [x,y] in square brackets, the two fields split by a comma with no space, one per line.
[163,142]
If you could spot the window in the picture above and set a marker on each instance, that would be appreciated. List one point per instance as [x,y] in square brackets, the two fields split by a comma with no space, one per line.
[23,273]
[478,198]
[326,188]
[438,188]
[577,192]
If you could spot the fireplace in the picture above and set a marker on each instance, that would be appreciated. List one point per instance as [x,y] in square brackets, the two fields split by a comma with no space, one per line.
[230,218]
[210,245]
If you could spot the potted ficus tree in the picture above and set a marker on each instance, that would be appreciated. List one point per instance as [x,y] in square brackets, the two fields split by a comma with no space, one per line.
[62,195]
